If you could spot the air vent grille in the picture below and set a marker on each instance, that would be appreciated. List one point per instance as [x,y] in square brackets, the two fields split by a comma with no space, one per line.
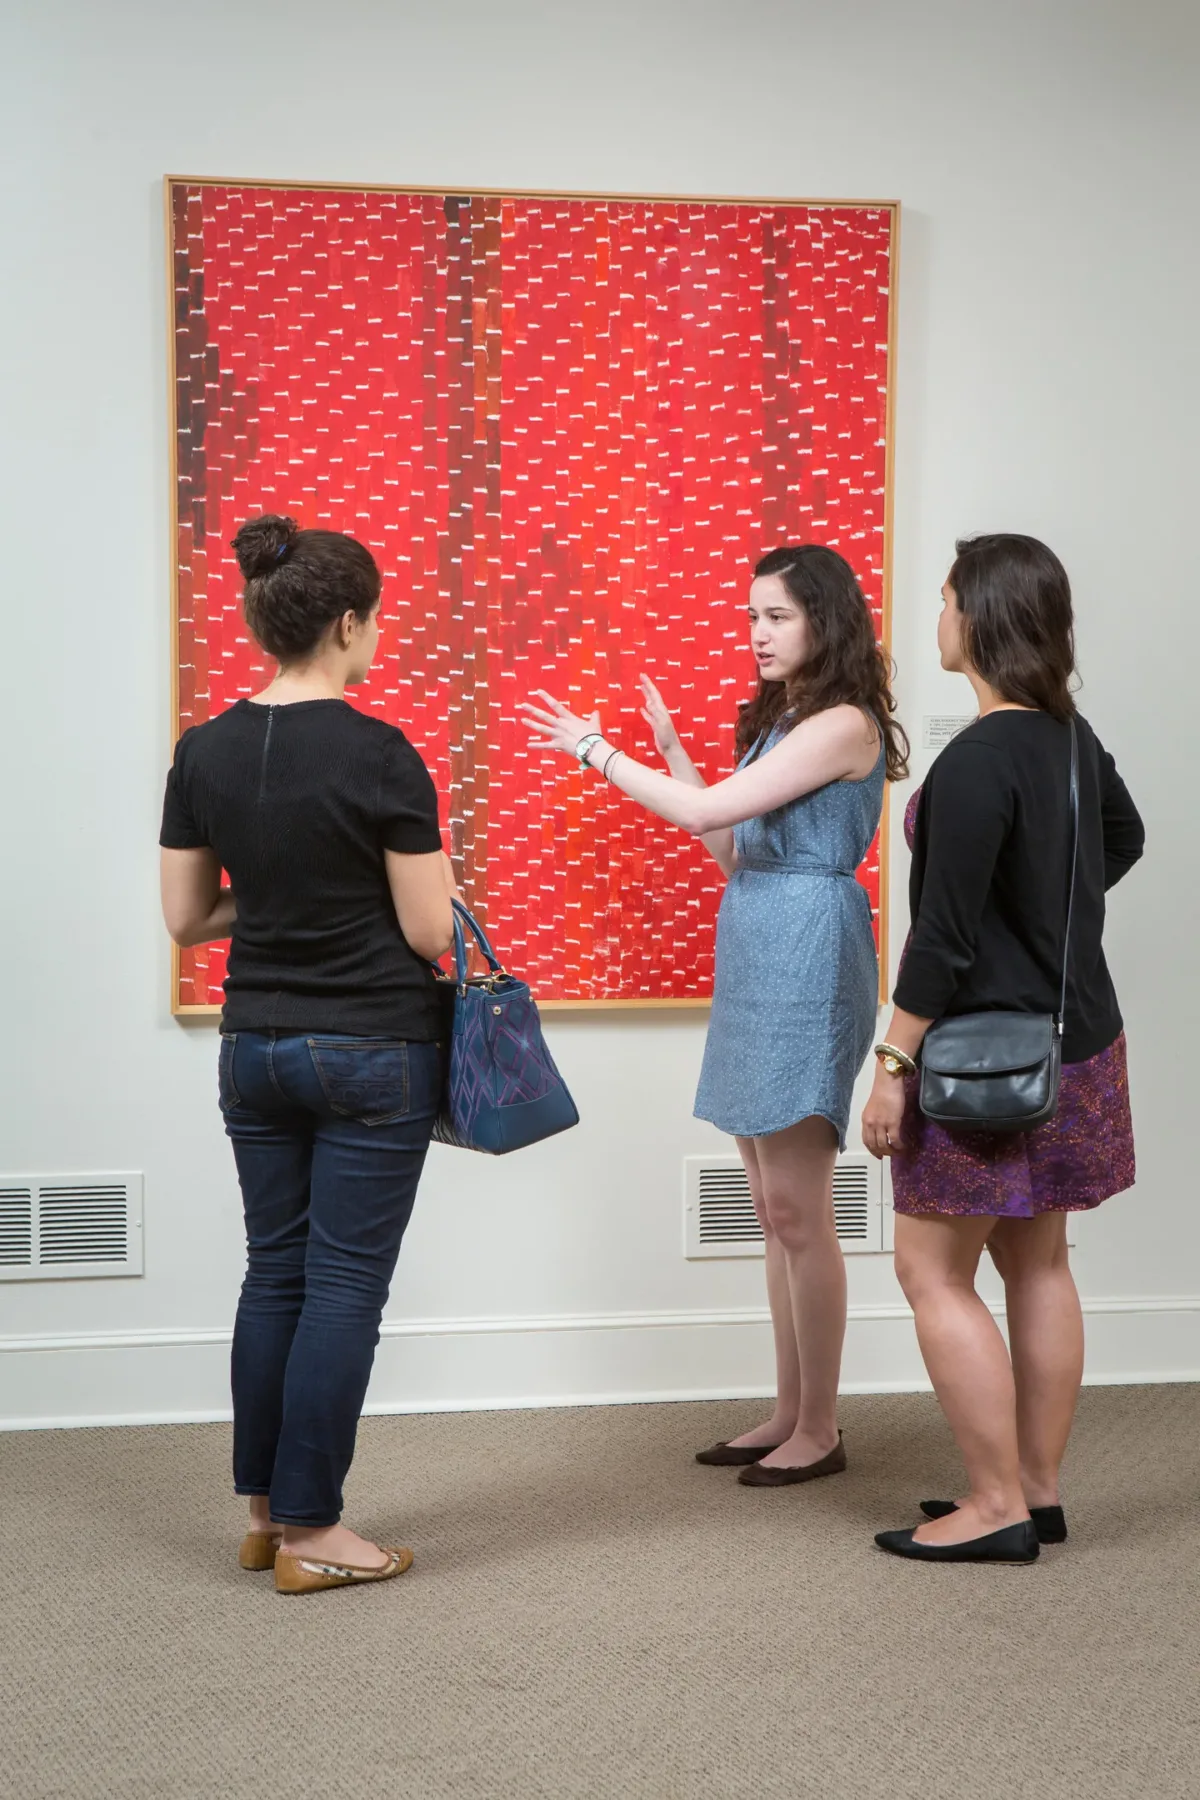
[719,1216]
[852,1201]
[16,1227]
[83,1224]
[726,1212]
[65,1227]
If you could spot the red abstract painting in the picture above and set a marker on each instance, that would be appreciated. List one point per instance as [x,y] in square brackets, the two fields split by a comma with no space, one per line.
[566,428]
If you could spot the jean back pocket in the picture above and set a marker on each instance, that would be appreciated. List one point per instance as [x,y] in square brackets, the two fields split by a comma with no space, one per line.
[366,1079]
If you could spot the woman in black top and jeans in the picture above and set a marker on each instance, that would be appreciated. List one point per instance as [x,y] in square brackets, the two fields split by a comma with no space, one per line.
[990,834]
[330,1068]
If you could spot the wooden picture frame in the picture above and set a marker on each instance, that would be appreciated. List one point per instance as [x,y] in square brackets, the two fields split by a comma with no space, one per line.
[221,392]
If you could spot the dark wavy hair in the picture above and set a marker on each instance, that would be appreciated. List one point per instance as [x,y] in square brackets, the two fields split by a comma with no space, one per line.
[846,663]
[1018,625]
[299,582]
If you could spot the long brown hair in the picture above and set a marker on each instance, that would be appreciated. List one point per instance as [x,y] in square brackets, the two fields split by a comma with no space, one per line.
[846,664]
[1018,626]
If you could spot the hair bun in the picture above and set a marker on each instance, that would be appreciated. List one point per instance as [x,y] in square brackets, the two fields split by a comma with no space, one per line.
[261,543]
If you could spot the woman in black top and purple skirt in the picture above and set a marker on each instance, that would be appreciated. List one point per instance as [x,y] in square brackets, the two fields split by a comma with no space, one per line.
[326,821]
[990,836]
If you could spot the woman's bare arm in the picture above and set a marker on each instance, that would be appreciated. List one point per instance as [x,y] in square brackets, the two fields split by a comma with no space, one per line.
[195,907]
[719,843]
[836,745]
[421,888]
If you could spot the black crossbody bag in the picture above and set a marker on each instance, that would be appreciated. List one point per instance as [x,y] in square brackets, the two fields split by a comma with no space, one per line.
[1000,1071]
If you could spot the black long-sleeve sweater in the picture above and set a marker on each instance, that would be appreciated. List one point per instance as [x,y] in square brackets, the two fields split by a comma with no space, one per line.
[988,885]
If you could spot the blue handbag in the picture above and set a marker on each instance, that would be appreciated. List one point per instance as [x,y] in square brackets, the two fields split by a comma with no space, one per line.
[502,1090]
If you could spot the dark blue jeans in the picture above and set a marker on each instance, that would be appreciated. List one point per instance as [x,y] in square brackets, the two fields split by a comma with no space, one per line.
[330,1135]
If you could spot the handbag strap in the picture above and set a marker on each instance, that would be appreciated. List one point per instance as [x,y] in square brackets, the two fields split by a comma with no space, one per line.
[463,917]
[1074,817]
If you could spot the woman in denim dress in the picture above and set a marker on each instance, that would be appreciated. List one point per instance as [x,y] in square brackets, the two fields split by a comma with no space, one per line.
[796,989]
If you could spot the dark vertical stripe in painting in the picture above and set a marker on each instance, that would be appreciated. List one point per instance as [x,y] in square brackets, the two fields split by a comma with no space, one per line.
[191,347]
[457,552]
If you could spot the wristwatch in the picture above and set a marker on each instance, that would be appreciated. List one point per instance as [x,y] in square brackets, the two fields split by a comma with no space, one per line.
[584,747]
[895,1062]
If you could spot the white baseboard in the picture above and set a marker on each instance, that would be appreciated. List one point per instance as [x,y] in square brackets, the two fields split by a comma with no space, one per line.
[481,1364]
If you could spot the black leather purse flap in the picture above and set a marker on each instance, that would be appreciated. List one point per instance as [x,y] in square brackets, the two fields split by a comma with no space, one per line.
[994,1043]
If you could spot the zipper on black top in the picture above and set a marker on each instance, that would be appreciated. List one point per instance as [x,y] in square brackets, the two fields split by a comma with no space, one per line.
[266,751]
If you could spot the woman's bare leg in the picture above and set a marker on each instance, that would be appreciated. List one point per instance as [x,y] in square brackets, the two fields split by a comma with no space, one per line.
[782,1421]
[796,1174]
[968,1363]
[260,1515]
[1045,1334]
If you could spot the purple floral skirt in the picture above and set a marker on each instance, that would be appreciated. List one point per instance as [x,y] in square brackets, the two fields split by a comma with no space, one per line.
[1082,1156]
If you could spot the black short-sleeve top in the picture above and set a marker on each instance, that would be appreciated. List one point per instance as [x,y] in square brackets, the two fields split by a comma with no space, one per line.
[300,802]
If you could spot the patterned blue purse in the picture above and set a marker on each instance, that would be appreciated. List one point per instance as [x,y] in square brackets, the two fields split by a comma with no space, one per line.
[503,1090]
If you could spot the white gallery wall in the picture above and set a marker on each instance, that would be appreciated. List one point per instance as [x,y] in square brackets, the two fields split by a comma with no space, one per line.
[1046,155]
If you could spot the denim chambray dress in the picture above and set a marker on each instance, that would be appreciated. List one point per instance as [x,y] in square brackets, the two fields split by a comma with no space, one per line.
[796,993]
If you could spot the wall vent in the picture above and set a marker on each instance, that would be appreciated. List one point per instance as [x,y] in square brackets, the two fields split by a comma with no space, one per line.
[70,1227]
[719,1217]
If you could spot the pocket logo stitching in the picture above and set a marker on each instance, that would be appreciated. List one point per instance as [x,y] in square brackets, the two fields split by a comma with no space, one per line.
[355,1092]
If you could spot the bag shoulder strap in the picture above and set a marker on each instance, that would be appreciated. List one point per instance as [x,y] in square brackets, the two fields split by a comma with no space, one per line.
[1073,803]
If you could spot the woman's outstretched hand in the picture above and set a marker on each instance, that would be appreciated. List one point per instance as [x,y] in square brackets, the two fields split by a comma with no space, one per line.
[554,725]
[655,713]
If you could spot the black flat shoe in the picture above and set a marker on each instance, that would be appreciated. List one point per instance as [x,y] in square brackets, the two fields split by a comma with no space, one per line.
[734,1456]
[1012,1544]
[1048,1521]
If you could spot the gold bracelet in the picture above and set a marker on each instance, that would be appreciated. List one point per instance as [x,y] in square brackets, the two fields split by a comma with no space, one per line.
[896,1062]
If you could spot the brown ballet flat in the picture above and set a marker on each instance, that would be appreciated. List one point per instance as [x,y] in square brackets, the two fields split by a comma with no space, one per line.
[310,1574]
[733,1456]
[833,1464]
[259,1549]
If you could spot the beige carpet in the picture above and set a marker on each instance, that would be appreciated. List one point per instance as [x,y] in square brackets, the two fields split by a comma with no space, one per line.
[591,1614]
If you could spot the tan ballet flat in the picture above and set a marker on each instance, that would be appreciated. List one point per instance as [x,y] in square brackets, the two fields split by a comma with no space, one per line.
[309,1575]
[259,1549]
